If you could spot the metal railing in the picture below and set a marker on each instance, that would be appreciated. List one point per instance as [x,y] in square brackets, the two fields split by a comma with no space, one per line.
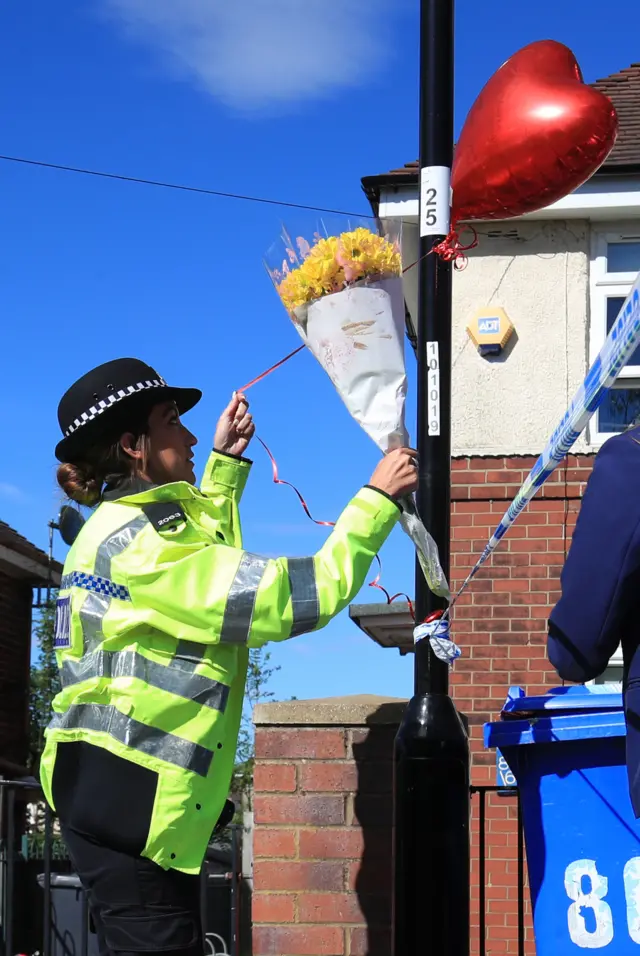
[42,929]
[481,793]
[43,845]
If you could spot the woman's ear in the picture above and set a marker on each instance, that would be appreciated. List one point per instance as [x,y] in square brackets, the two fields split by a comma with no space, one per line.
[132,446]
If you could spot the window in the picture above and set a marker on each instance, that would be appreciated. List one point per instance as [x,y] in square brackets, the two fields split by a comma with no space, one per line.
[614,267]
[613,673]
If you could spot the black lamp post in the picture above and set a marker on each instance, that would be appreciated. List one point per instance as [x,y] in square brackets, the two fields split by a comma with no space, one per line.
[431,811]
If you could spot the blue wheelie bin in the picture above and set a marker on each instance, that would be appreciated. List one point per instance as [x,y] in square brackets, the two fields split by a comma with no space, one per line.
[566,750]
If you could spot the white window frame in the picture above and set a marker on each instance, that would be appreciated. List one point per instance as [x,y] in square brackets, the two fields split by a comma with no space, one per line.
[613,673]
[602,285]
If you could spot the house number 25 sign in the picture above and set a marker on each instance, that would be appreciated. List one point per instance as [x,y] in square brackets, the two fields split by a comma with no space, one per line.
[589,915]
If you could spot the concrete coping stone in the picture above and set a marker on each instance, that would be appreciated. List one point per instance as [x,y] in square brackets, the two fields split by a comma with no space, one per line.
[357,710]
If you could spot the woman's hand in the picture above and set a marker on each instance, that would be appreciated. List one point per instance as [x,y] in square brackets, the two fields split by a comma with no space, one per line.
[397,473]
[235,428]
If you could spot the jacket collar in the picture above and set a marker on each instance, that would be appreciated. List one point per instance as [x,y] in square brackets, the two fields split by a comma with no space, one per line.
[139,492]
[125,487]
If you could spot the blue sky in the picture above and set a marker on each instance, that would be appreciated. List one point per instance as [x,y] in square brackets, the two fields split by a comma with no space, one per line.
[282,99]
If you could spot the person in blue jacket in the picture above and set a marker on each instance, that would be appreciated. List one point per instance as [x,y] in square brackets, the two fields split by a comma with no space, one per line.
[599,608]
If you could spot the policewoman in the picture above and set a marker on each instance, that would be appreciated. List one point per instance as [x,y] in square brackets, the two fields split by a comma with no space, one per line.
[157,609]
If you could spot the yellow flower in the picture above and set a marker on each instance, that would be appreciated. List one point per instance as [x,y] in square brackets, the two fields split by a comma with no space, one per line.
[335,262]
[363,253]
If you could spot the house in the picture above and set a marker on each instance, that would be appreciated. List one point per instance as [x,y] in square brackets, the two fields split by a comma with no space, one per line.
[23,568]
[560,276]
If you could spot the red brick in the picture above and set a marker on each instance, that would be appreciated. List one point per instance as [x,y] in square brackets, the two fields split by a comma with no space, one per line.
[521,612]
[554,506]
[534,571]
[332,843]
[329,776]
[272,875]
[317,811]
[527,651]
[476,507]
[529,626]
[488,650]
[490,598]
[489,491]
[524,462]
[547,531]
[299,743]
[461,520]
[469,478]
[369,942]
[298,941]
[273,908]
[338,908]
[274,777]
[464,532]
[274,842]
[504,477]
[511,584]
[528,546]
[578,474]
[532,516]
[502,559]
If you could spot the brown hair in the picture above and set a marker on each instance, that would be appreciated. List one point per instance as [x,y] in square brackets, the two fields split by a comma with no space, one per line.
[105,463]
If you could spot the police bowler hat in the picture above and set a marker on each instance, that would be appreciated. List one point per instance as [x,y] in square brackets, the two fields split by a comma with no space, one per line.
[100,402]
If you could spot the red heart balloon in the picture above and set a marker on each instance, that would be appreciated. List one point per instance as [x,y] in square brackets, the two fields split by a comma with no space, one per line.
[534,134]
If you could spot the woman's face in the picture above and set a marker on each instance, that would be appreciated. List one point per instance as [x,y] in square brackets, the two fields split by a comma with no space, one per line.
[169,455]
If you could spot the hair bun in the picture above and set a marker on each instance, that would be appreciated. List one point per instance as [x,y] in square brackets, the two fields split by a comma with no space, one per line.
[79,483]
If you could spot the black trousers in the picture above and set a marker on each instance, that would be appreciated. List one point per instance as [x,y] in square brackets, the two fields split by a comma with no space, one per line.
[136,906]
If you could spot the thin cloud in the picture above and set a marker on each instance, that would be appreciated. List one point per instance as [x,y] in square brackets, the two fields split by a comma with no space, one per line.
[257,54]
[11,492]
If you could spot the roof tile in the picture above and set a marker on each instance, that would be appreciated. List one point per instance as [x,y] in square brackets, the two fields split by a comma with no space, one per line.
[16,542]
[622,88]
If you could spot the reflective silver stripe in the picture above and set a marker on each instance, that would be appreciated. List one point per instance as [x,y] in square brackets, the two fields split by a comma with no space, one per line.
[92,613]
[172,678]
[107,719]
[304,595]
[241,600]
[95,606]
[190,654]
[116,543]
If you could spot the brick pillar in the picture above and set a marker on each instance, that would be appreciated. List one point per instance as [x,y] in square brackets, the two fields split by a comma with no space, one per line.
[501,625]
[322,837]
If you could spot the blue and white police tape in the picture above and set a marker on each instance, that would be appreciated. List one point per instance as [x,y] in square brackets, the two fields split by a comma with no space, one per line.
[618,348]
[438,634]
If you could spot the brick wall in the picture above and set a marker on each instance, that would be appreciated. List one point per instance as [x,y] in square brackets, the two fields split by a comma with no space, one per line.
[501,619]
[322,838]
[15,650]
[323,809]
[501,624]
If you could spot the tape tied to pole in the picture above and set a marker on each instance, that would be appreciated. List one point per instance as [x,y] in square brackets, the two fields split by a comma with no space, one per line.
[436,630]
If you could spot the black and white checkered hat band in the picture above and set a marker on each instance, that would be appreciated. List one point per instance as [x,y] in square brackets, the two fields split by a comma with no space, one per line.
[110,400]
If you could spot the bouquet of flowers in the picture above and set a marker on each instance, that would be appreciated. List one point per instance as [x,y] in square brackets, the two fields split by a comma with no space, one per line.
[344,295]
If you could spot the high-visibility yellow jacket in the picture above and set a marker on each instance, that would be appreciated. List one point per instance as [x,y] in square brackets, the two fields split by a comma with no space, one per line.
[157,609]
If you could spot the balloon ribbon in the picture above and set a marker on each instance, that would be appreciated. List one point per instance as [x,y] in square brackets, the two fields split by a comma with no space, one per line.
[331,524]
